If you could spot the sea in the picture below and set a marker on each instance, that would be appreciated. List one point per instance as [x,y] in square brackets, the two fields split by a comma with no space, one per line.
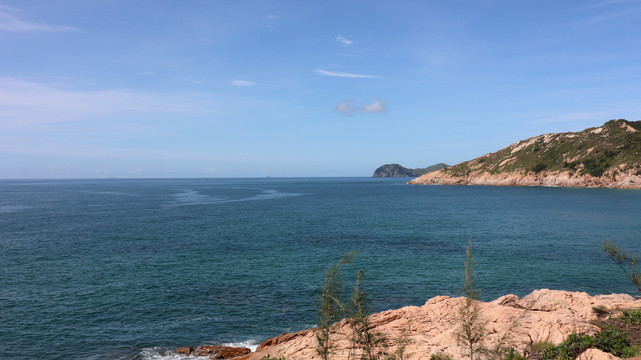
[133,268]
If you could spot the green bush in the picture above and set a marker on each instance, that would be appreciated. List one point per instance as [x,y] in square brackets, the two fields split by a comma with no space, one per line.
[572,347]
[511,354]
[539,167]
[440,357]
[612,341]
[600,310]
[539,346]
[632,317]
[615,342]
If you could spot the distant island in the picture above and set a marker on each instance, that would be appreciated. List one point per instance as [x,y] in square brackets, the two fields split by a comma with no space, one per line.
[396,170]
[605,156]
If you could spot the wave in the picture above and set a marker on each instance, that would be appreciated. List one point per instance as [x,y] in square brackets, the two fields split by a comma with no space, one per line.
[159,353]
[193,197]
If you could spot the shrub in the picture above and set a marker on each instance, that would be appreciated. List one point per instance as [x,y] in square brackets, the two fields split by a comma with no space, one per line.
[572,347]
[600,310]
[632,317]
[440,357]
[364,335]
[539,167]
[625,261]
[615,342]
[612,341]
[401,344]
[472,328]
[539,346]
[330,308]
[511,354]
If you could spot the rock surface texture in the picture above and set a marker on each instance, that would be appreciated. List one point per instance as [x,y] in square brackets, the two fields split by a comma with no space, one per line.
[543,315]
[623,180]
[215,352]
[606,156]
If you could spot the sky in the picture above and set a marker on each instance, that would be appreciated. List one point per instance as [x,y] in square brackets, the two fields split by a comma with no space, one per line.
[290,88]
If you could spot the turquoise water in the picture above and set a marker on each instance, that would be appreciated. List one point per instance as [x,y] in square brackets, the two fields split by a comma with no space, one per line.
[126,269]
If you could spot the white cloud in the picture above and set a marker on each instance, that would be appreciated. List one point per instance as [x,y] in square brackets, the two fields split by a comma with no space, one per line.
[11,20]
[376,106]
[346,75]
[242,83]
[342,41]
[346,107]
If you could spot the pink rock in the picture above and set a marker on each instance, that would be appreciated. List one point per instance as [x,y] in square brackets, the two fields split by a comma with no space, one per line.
[543,315]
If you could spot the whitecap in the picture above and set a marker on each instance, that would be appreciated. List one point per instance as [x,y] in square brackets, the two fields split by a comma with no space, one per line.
[250,344]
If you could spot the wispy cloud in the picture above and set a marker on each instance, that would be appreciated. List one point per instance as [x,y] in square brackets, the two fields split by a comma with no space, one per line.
[343,41]
[24,103]
[612,15]
[610,2]
[11,19]
[346,75]
[346,107]
[242,83]
[627,8]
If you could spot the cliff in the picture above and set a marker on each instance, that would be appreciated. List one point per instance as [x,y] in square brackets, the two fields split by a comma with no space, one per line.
[543,315]
[605,156]
[396,170]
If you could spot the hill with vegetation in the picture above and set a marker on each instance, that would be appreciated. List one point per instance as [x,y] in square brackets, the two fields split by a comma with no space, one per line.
[396,170]
[605,156]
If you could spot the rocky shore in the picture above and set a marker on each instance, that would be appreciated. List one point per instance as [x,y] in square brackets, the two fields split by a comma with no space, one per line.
[542,316]
[620,179]
[608,156]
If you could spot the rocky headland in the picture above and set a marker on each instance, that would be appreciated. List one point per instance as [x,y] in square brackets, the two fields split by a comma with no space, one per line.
[606,156]
[542,316]
[396,170]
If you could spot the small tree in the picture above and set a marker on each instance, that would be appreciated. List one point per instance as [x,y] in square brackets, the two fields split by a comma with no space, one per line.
[330,308]
[472,328]
[401,345]
[626,262]
[364,336]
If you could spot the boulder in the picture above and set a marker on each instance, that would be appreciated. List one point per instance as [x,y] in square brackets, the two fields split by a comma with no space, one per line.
[543,315]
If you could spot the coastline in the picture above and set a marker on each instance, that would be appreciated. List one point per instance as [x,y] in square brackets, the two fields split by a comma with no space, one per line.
[623,180]
[541,316]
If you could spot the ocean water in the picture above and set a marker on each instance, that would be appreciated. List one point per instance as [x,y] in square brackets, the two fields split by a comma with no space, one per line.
[129,269]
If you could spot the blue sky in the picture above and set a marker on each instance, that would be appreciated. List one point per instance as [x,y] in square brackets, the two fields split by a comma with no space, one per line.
[205,88]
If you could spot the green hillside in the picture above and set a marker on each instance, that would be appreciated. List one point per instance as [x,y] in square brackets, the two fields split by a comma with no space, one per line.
[612,148]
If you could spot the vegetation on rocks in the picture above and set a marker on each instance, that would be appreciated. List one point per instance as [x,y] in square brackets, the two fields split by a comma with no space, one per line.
[472,326]
[365,337]
[612,341]
[627,262]
[330,308]
[610,152]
